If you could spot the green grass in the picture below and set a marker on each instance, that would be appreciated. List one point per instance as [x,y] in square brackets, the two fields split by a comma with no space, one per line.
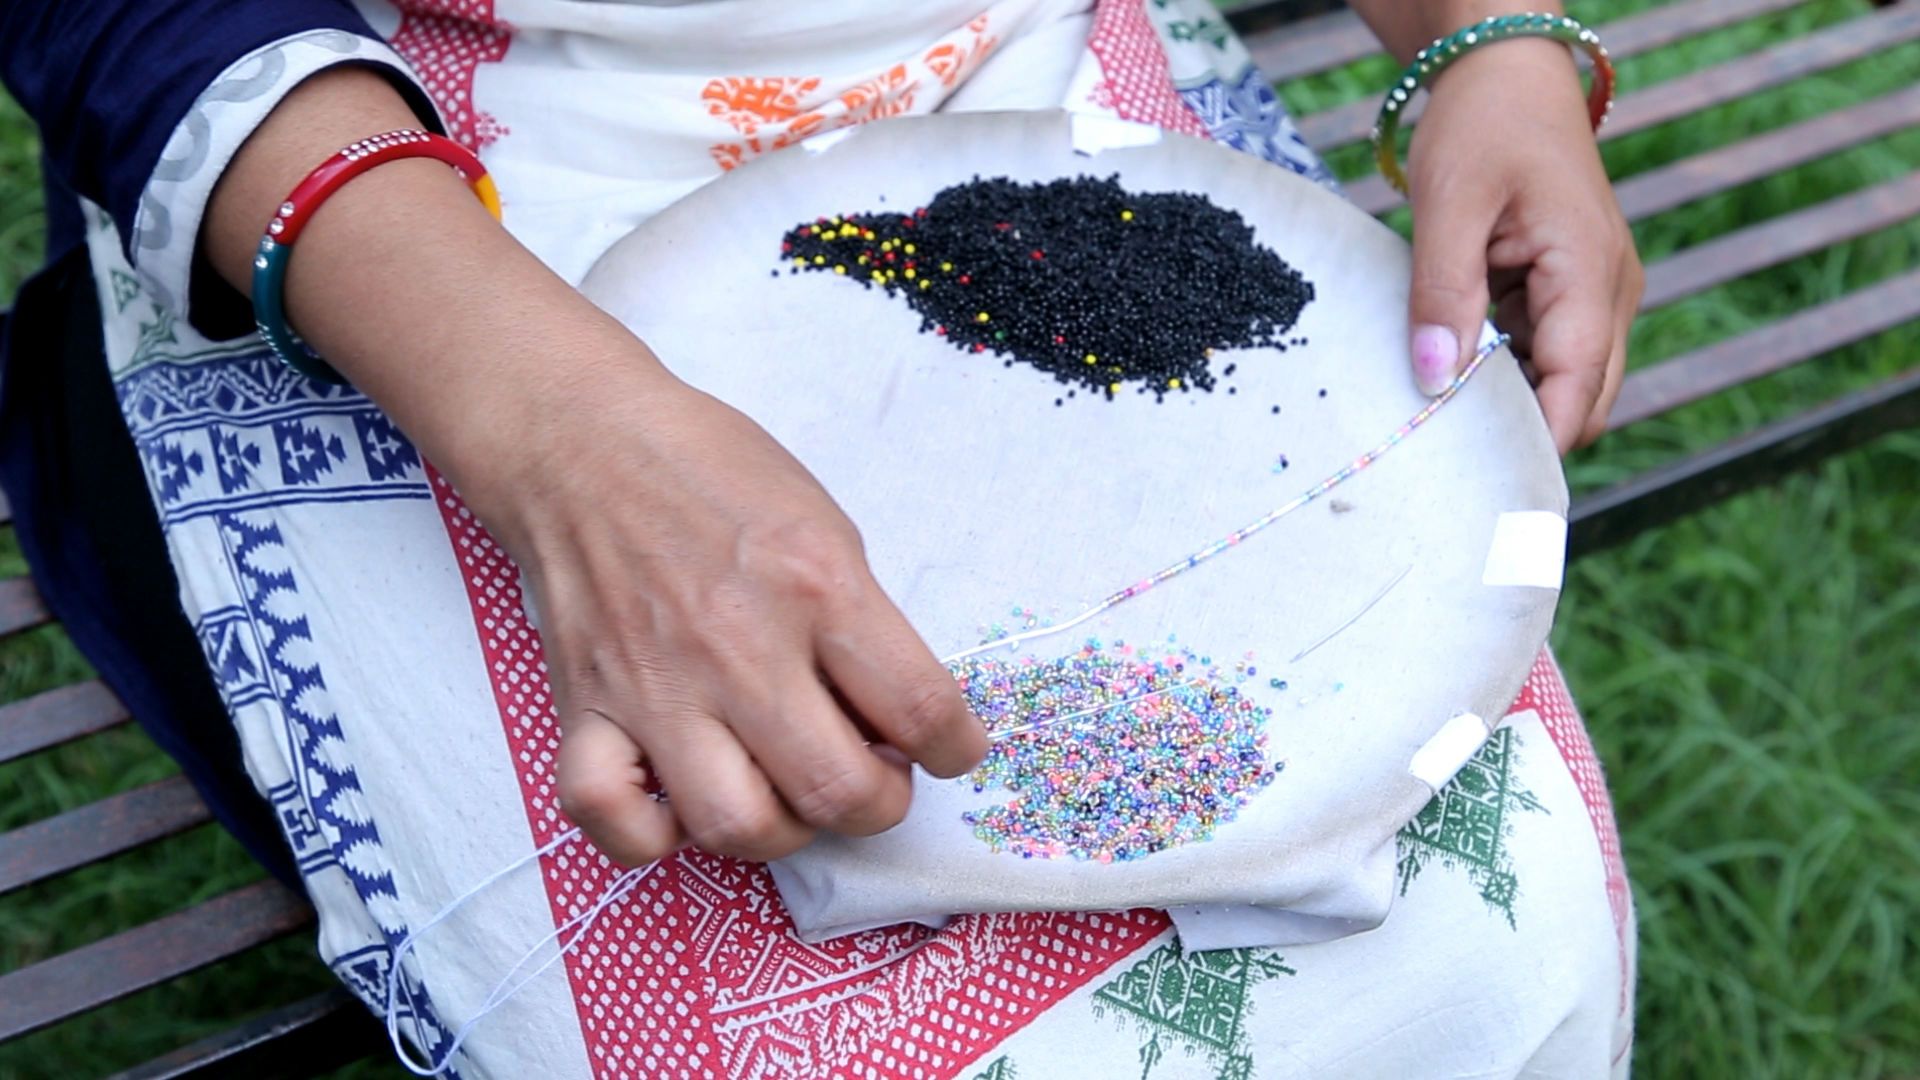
[1751,674]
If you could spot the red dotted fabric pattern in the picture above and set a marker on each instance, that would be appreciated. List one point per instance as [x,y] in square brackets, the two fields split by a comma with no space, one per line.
[446,41]
[1546,692]
[698,974]
[1133,65]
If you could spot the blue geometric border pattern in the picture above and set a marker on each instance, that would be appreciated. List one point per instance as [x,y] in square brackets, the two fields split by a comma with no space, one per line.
[248,433]
[1249,117]
[365,973]
[265,648]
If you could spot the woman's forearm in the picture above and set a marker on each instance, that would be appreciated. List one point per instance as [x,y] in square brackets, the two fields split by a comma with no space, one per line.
[709,618]
[409,288]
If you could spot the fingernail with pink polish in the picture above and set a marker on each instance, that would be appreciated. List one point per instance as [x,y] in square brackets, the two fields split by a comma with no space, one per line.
[1436,353]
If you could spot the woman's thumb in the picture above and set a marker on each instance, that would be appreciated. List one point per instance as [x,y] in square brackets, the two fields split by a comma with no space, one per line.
[1449,297]
[1436,357]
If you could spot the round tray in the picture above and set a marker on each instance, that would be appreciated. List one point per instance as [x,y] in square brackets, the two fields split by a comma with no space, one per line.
[979,497]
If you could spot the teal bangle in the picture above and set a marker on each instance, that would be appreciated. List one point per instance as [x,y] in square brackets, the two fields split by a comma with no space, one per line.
[1432,60]
[269,276]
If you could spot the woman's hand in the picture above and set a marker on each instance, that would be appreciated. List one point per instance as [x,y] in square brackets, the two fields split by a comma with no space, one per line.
[1512,208]
[707,611]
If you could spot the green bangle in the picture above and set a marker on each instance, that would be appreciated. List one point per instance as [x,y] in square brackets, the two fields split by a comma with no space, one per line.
[1432,60]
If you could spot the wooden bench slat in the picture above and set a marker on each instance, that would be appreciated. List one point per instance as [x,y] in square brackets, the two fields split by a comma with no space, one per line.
[1729,166]
[1659,27]
[1334,40]
[58,716]
[1761,156]
[1660,495]
[1672,383]
[99,830]
[1821,50]
[1776,240]
[1311,46]
[302,1040]
[109,969]
[20,606]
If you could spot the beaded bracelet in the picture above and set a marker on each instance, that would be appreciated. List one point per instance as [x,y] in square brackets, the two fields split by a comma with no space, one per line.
[270,265]
[1432,60]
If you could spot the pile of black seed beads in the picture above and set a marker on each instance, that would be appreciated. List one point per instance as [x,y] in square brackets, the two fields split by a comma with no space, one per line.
[1095,285]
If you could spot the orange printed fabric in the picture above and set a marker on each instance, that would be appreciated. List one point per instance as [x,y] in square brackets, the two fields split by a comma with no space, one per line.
[767,113]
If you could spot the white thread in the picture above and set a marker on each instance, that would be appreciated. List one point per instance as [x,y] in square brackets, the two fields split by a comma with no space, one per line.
[501,993]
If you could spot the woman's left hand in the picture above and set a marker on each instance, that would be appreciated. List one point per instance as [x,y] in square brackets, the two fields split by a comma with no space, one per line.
[1512,208]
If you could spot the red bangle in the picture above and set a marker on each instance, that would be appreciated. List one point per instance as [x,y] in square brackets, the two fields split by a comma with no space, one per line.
[356,158]
[270,264]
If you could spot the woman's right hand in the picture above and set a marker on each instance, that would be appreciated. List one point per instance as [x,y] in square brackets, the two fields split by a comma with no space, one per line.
[707,611]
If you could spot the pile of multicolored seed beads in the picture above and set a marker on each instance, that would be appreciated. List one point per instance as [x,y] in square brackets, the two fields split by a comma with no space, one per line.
[1097,286]
[1112,753]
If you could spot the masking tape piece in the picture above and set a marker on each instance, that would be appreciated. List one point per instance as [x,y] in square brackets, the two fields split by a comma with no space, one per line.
[827,140]
[1529,548]
[1459,739]
[1093,133]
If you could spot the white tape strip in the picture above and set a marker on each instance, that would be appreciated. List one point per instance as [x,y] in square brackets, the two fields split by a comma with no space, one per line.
[1435,763]
[1529,548]
[827,140]
[1093,133]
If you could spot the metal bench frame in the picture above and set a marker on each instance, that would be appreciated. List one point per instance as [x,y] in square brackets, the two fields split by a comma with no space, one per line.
[1289,39]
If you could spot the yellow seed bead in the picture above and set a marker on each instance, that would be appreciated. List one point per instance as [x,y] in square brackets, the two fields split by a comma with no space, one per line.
[1092,359]
[1113,388]
[819,260]
[924,283]
[947,267]
[909,275]
[909,249]
[982,317]
[1173,384]
[839,269]
[886,245]
[863,260]
[1126,215]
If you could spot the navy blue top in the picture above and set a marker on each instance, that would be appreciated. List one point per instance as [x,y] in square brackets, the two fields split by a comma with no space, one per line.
[107,81]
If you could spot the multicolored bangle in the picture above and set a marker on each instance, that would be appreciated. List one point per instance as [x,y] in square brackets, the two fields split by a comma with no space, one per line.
[1432,60]
[270,265]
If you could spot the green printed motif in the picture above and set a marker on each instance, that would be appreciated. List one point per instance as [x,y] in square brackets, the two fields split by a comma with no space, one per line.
[1466,825]
[1001,1069]
[1198,1002]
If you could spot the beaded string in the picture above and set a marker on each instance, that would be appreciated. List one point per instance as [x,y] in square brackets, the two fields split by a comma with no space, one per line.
[1235,538]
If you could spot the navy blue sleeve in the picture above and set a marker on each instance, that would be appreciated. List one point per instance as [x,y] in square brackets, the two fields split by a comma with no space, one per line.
[109,80]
